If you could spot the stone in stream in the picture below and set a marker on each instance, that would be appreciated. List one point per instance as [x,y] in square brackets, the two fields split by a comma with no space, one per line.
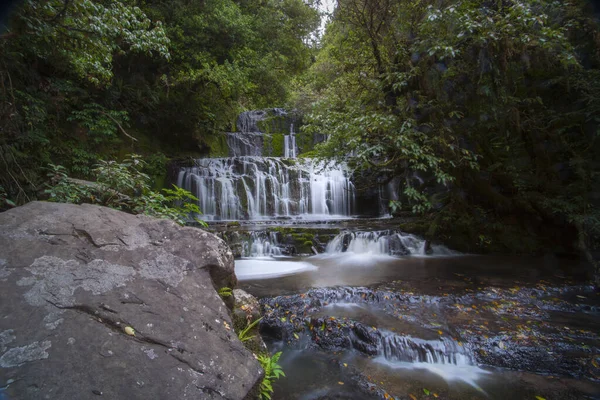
[94,301]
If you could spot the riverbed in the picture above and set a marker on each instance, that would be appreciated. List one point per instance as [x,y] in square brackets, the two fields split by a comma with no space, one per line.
[366,325]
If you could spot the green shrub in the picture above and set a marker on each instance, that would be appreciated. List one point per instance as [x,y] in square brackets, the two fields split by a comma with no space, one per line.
[63,190]
[124,186]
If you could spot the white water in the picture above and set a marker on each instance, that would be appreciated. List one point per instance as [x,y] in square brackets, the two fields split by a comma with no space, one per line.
[262,244]
[383,243]
[259,268]
[241,188]
[290,144]
[443,357]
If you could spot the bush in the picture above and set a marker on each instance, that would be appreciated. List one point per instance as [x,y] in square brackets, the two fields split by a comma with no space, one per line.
[123,186]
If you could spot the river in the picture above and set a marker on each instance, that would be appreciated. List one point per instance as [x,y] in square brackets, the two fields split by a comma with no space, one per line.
[362,324]
[362,310]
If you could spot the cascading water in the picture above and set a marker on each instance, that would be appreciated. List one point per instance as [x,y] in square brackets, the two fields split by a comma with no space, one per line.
[414,350]
[290,144]
[262,244]
[240,188]
[247,186]
[383,243]
[443,357]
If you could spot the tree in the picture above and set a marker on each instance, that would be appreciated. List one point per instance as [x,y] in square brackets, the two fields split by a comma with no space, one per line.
[84,80]
[483,108]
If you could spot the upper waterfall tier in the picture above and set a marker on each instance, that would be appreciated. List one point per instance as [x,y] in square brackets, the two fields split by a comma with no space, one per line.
[240,188]
[261,132]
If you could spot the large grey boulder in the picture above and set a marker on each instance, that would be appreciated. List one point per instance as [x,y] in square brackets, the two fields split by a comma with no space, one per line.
[72,278]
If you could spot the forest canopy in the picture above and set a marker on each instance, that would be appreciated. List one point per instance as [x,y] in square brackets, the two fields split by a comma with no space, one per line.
[84,80]
[488,111]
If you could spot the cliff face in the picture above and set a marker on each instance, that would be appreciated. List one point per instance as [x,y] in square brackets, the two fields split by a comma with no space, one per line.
[95,301]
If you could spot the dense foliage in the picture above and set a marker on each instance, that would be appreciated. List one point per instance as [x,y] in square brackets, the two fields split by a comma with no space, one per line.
[83,80]
[123,186]
[487,110]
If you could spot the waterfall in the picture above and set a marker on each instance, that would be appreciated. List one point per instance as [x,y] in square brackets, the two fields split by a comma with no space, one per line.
[444,357]
[383,243]
[414,350]
[239,188]
[262,244]
[290,143]
[248,186]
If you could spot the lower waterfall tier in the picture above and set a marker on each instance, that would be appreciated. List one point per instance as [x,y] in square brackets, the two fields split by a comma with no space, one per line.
[242,188]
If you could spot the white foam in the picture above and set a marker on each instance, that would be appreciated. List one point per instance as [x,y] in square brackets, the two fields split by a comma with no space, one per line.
[264,268]
[352,259]
[449,372]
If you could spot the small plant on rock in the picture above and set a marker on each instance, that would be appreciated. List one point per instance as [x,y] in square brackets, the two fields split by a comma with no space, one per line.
[225,292]
[243,335]
[272,370]
[61,189]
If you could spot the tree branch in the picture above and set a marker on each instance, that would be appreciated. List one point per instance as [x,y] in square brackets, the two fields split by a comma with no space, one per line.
[119,125]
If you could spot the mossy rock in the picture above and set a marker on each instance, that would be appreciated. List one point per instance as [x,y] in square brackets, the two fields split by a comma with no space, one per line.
[245,311]
[274,145]
[218,146]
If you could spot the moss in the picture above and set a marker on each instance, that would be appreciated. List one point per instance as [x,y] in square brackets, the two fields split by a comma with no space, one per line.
[158,181]
[274,124]
[300,230]
[308,154]
[278,142]
[218,146]
[273,144]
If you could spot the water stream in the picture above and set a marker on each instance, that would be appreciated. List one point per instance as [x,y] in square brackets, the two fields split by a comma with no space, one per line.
[367,311]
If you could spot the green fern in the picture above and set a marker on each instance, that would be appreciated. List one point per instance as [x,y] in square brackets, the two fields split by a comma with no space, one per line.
[225,292]
[243,335]
[272,370]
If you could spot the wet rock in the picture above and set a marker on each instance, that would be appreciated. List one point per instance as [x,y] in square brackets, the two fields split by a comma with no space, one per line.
[520,328]
[365,339]
[93,299]
[246,311]
[396,247]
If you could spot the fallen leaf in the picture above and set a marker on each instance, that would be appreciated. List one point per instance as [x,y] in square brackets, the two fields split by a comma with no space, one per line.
[426,392]
[412,396]
[340,383]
